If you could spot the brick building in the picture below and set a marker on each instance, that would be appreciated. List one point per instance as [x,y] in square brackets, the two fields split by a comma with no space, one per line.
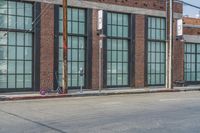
[133,53]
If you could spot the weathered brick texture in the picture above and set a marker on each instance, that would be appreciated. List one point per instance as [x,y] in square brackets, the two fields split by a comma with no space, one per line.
[47,46]
[146,4]
[139,51]
[95,51]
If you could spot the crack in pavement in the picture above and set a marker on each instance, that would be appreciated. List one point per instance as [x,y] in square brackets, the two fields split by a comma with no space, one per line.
[29,120]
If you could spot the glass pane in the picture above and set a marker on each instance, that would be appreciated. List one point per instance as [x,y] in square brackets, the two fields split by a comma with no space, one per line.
[3,21]
[20,67]
[28,10]
[11,67]
[28,53]
[3,7]
[28,81]
[28,67]
[3,66]
[3,38]
[20,39]
[75,14]
[20,8]
[61,26]
[20,22]
[28,24]
[81,15]
[3,81]
[74,80]
[11,38]
[11,81]
[28,39]
[125,20]
[12,22]
[3,52]
[20,53]
[120,19]
[12,7]
[11,52]
[75,27]
[81,28]
[20,81]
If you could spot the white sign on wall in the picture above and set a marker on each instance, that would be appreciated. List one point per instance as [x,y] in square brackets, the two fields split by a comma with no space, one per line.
[100,20]
[179,27]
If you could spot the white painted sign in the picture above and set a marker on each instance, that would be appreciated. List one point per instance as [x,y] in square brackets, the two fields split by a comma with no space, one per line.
[100,20]
[179,27]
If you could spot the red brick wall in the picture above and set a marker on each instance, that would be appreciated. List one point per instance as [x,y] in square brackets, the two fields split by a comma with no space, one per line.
[139,51]
[191,30]
[47,46]
[146,4]
[95,51]
[178,60]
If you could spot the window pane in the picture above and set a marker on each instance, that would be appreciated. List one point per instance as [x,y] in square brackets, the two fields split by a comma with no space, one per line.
[3,81]
[11,52]
[20,8]
[20,67]
[11,38]
[3,21]
[28,81]
[20,39]
[28,67]
[28,23]
[20,22]
[20,53]
[11,67]
[11,81]
[3,66]
[12,7]
[3,52]
[28,10]
[12,22]
[20,81]
[3,7]
[28,39]
[28,53]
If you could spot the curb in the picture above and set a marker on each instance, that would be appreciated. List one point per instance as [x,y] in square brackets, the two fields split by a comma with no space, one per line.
[7,98]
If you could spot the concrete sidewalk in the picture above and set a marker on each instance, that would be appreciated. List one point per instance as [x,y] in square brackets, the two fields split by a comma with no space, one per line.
[76,93]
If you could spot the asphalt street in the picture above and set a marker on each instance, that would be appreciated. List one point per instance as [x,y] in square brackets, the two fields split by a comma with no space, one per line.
[142,113]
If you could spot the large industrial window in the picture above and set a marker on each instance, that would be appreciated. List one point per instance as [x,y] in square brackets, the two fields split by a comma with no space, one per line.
[76,45]
[192,62]
[117,49]
[15,45]
[156,51]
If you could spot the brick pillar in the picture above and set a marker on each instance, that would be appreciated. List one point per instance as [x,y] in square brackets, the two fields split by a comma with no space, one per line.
[47,46]
[178,57]
[139,51]
[95,51]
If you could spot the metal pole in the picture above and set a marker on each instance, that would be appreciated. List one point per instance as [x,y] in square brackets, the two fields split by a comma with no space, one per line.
[167,46]
[100,68]
[65,47]
[171,47]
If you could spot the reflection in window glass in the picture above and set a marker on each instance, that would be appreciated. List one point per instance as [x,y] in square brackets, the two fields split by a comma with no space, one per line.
[15,45]
[192,62]
[76,45]
[117,49]
[156,51]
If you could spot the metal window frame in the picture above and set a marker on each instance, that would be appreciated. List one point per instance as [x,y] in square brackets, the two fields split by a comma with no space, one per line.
[87,48]
[147,40]
[130,40]
[185,62]
[23,31]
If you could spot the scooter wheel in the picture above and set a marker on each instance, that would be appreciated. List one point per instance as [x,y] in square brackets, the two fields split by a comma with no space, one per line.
[42,91]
